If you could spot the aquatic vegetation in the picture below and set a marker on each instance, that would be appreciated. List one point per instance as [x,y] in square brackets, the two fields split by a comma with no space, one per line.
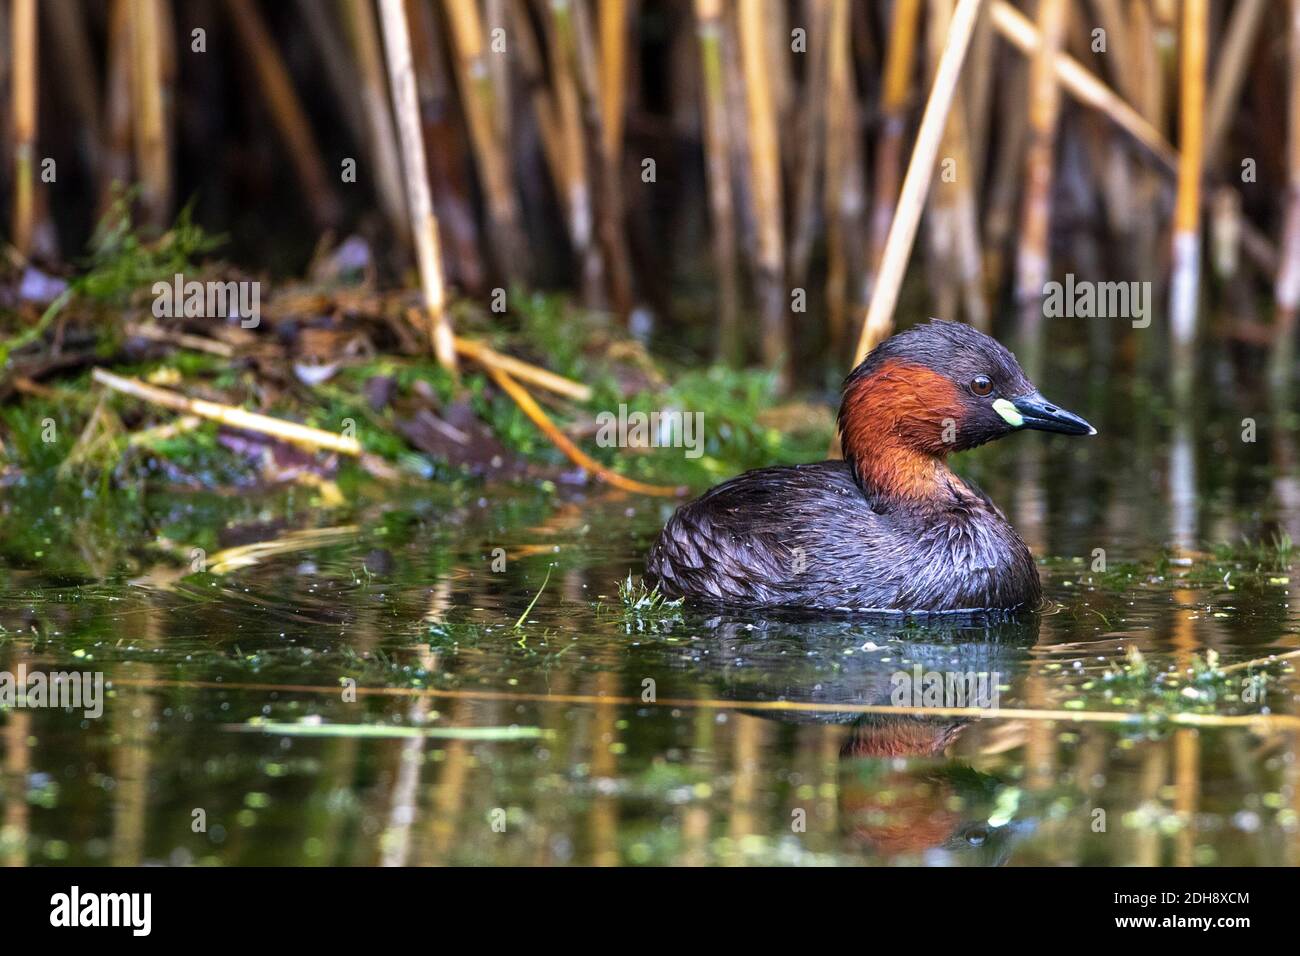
[1226,567]
[643,609]
[640,599]
[533,603]
[1273,554]
[1202,686]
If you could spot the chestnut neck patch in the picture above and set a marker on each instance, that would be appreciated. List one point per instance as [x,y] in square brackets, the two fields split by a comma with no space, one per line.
[897,425]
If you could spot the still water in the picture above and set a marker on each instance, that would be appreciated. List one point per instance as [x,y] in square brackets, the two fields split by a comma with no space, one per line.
[449,675]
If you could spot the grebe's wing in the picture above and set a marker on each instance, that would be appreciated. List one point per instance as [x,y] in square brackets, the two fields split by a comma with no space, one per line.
[747,539]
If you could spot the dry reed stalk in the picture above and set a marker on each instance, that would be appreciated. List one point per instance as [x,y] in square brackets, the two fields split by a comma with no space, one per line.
[196,343]
[738,130]
[450,163]
[779,57]
[1187,210]
[575,182]
[170,71]
[613,21]
[291,542]
[1230,71]
[1287,287]
[1147,96]
[899,56]
[717,157]
[1261,724]
[534,80]
[286,111]
[1032,265]
[302,435]
[1146,75]
[478,99]
[765,191]
[562,441]
[979,102]
[1119,55]
[1163,15]
[22,32]
[575,33]
[495,15]
[151,162]
[1225,233]
[810,140]
[424,225]
[1082,84]
[844,189]
[524,371]
[186,423]
[920,169]
[941,206]
[955,237]
[116,166]
[372,90]
[1108,154]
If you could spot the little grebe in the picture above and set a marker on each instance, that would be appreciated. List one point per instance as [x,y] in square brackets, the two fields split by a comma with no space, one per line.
[890,527]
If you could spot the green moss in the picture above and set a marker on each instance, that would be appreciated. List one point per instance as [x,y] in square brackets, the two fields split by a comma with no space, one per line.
[122,263]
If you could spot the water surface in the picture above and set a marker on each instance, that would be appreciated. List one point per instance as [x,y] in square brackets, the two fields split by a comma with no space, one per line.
[375,691]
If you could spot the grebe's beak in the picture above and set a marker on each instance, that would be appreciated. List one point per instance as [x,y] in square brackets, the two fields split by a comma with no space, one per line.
[1034,411]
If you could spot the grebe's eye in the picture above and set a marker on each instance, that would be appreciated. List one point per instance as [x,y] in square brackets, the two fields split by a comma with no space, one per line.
[981,385]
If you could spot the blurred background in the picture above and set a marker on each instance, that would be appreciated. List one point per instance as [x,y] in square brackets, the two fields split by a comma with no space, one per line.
[721,174]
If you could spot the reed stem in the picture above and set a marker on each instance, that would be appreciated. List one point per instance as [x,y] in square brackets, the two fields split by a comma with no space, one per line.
[811,138]
[613,23]
[765,190]
[953,205]
[844,189]
[1032,266]
[916,184]
[711,35]
[292,432]
[22,32]
[574,167]
[1287,287]
[424,225]
[899,56]
[372,89]
[478,98]
[115,170]
[575,33]
[1187,210]
[1230,71]
[1083,85]
[528,405]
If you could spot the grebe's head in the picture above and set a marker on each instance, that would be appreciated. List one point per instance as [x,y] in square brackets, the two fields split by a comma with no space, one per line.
[938,388]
